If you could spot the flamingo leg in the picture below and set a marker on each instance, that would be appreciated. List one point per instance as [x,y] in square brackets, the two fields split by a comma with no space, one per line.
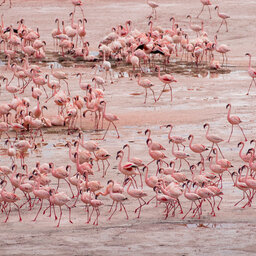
[226,25]
[188,211]
[106,131]
[242,132]
[124,210]
[250,87]
[153,94]
[200,12]
[230,133]
[161,93]
[219,26]
[60,216]
[38,210]
[113,212]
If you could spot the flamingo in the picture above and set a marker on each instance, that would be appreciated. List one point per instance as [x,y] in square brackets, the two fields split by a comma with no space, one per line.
[153,145]
[234,120]
[111,118]
[146,84]
[60,75]
[251,72]
[153,5]
[60,199]
[193,197]
[205,3]
[197,148]
[9,198]
[224,18]
[213,138]
[179,154]
[167,79]
[118,198]
[223,49]
[175,139]
[136,193]
[195,27]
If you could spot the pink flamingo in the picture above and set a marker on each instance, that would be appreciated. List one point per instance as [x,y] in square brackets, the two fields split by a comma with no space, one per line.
[40,192]
[134,160]
[244,157]
[153,145]
[10,1]
[213,138]
[181,155]
[167,79]
[95,203]
[205,3]
[197,148]
[60,199]
[136,193]
[9,198]
[251,72]
[224,18]
[61,173]
[118,198]
[193,197]
[102,155]
[146,84]
[110,118]
[195,27]
[242,186]
[60,75]
[223,49]
[234,120]
[153,5]
[155,154]
[175,139]
[128,169]
[78,3]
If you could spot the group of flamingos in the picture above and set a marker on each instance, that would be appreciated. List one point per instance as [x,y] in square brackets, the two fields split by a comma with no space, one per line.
[32,186]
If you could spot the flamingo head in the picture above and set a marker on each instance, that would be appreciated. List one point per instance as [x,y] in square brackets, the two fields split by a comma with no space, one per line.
[240,143]
[146,131]
[228,106]
[206,124]
[126,145]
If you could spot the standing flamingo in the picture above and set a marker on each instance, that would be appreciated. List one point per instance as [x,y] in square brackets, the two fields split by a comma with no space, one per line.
[197,148]
[153,5]
[60,199]
[110,118]
[9,198]
[205,3]
[213,138]
[251,72]
[166,79]
[234,120]
[118,198]
[223,16]
[223,49]
[146,84]
[136,193]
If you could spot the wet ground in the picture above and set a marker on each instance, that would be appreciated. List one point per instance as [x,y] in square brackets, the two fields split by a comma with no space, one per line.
[199,96]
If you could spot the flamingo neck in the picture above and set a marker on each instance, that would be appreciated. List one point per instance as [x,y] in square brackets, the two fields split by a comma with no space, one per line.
[240,152]
[190,142]
[169,134]
[229,110]
[250,58]
[207,132]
